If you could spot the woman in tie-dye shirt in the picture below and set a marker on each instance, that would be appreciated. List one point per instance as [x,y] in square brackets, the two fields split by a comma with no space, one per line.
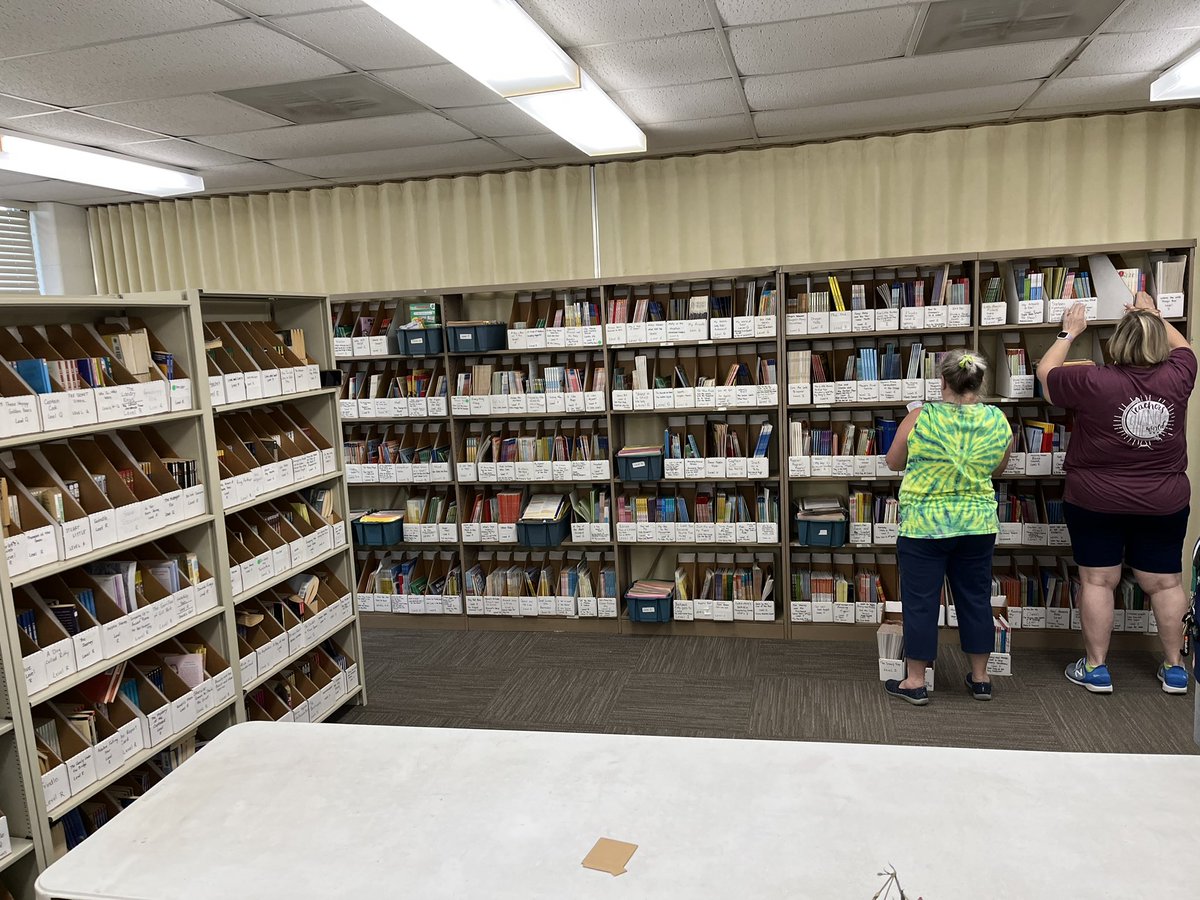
[948,524]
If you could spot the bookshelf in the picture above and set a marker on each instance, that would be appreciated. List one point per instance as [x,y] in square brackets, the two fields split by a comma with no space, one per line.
[631,417]
[118,512]
[283,487]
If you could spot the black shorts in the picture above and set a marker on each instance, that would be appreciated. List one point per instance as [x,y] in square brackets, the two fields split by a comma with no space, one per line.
[1144,542]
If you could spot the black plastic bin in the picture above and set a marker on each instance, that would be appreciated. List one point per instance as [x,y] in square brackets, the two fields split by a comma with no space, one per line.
[640,468]
[419,341]
[820,532]
[379,534]
[478,338]
[649,609]
[544,534]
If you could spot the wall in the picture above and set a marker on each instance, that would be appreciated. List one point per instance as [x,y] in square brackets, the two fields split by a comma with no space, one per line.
[514,226]
[64,249]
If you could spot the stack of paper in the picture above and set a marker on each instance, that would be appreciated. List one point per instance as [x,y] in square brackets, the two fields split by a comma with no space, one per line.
[890,637]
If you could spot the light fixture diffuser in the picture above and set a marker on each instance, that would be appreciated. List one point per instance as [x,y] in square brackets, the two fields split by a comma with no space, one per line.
[494,41]
[66,162]
[1180,82]
[586,117]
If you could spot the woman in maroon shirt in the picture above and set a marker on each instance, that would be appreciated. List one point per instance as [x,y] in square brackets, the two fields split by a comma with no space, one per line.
[1127,494]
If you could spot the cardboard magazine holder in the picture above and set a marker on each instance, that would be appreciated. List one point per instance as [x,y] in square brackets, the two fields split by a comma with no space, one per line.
[130,397]
[54,591]
[160,495]
[132,516]
[195,502]
[61,408]
[72,528]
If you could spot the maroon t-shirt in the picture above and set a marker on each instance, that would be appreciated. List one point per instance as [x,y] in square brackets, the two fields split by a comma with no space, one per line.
[1128,450]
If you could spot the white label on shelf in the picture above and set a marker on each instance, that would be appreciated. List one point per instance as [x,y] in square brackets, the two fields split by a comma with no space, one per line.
[1030,312]
[795,324]
[56,786]
[824,393]
[840,322]
[765,326]
[55,411]
[820,466]
[958,315]
[615,333]
[936,317]
[843,613]
[626,532]
[862,320]
[912,318]
[1171,304]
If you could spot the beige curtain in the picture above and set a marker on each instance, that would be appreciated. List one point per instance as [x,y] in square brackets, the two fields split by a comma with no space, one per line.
[1033,184]
[495,228]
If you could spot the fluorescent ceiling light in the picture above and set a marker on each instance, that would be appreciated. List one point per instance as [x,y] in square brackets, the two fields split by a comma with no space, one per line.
[1180,82]
[65,162]
[493,41]
[587,117]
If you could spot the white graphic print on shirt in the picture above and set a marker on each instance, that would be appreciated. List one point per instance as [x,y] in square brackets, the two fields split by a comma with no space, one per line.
[1144,421]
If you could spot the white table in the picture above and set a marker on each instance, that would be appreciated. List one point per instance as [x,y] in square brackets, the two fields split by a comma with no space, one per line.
[339,811]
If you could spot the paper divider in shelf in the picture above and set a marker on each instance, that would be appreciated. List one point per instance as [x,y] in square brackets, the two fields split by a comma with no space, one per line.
[292,488]
[339,703]
[269,401]
[41,437]
[63,565]
[142,756]
[77,678]
[291,658]
[290,573]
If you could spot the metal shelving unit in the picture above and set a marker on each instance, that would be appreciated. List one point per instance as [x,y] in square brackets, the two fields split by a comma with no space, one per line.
[177,320]
[634,560]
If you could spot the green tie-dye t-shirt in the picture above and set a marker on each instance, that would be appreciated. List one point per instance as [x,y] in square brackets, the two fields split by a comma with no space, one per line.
[952,451]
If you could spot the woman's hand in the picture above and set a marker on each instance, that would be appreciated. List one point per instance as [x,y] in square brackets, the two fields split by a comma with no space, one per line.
[1075,320]
[1144,301]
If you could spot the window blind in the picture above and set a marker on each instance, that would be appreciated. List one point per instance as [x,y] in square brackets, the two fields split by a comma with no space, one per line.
[18,264]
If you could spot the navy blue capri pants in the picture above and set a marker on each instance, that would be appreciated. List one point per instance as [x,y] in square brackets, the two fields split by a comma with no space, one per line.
[928,563]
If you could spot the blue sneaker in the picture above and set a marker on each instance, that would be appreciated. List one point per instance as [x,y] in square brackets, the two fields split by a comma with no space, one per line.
[1174,679]
[915,696]
[1098,681]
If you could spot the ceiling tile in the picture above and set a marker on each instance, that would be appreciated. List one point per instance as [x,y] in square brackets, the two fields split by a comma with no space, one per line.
[544,146]
[361,37]
[907,75]
[576,24]
[291,7]
[1118,54]
[14,106]
[497,120]
[440,86]
[58,24]
[881,115]
[224,57]
[184,116]
[1156,15]
[79,129]
[819,43]
[705,100]
[753,12]
[414,160]
[62,192]
[246,175]
[8,178]
[682,59]
[1095,89]
[698,133]
[181,153]
[351,136]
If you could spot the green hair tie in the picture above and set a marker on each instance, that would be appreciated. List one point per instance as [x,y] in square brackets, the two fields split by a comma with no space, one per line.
[966,361]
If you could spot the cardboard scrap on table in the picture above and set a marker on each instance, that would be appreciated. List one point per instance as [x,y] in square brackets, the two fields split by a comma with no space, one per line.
[609,856]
